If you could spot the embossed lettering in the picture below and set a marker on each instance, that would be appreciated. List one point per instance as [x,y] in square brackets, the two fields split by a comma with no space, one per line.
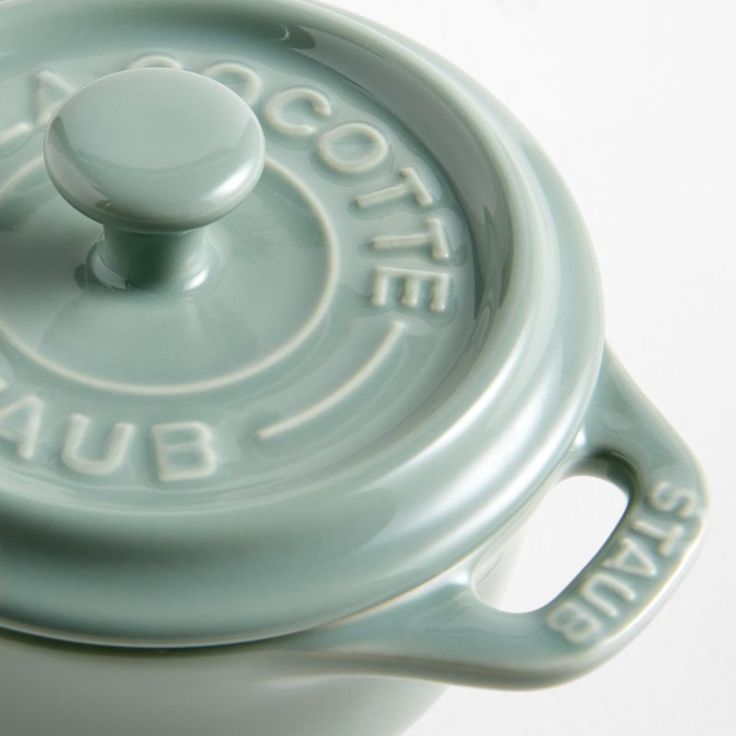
[274,111]
[668,537]
[333,144]
[435,237]
[15,134]
[20,423]
[412,282]
[590,591]
[118,443]
[684,502]
[574,622]
[156,61]
[412,185]
[240,78]
[184,451]
[632,558]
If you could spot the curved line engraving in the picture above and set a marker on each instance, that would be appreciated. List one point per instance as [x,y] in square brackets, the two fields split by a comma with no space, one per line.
[356,381]
[211,384]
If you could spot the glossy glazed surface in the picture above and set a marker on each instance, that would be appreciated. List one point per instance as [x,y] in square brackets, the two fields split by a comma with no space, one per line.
[526,401]
[325,421]
[152,150]
[242,690]
[445,630]
[230,692]
[154,155]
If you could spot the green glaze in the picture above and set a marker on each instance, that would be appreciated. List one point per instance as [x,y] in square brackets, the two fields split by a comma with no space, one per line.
[154,150]
[236,690]
[154,155]
[315,428]
[321,327]
[445,631]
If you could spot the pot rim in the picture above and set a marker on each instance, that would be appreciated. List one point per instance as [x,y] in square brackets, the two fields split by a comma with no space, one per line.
[522,399]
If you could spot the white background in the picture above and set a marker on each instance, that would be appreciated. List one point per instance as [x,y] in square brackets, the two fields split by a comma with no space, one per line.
[635,102]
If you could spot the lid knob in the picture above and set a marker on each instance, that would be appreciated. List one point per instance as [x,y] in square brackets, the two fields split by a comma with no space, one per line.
[154,155]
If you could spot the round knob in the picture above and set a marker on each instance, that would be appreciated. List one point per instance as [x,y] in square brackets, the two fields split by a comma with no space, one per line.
[154,155]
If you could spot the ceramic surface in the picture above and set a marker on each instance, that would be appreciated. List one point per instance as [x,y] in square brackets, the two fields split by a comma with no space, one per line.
[241,690]
[297,324]
[318,425]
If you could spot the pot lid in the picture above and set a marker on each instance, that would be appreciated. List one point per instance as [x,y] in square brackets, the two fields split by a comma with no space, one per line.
[292,316]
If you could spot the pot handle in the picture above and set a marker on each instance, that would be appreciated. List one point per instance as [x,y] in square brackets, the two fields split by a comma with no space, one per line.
[444,631]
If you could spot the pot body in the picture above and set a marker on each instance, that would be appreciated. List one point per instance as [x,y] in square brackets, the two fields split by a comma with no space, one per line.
[242,690]
[566,407]
[228,693]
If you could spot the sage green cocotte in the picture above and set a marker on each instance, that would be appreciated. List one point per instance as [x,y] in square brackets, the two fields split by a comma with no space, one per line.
[297,325]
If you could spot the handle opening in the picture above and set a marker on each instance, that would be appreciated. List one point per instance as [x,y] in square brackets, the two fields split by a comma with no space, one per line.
[567,529]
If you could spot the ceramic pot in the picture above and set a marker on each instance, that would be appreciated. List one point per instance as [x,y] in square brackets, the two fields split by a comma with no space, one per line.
[236,690]
[297,326]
